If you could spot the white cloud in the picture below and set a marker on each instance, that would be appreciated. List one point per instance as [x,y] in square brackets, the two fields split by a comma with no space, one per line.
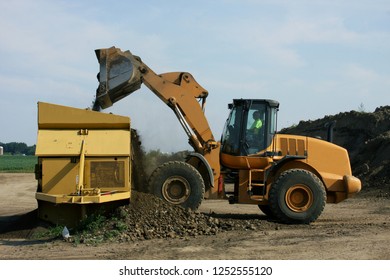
[315,30]
[358,73]
[298,52]
[282,40]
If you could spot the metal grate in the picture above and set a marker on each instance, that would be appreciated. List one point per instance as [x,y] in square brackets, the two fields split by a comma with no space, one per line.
[107,174]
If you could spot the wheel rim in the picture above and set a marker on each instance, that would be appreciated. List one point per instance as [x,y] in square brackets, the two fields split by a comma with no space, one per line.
[299,198]
[176,190]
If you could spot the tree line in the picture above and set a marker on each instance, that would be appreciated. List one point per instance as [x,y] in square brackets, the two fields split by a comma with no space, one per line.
[18,148]
[154,158]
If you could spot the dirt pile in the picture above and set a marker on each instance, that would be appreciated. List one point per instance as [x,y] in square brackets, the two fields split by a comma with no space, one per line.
[366,136]
[148,217]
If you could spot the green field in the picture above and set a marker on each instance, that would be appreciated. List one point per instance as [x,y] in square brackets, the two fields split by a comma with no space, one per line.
[17,164]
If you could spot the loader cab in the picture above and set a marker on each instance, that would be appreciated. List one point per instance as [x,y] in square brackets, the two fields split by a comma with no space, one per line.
[250,126]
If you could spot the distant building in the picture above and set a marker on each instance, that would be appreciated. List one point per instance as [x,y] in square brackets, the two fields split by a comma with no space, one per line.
[1,150]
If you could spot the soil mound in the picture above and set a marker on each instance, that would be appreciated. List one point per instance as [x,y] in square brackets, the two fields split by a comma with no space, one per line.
[366,136]
[149,217]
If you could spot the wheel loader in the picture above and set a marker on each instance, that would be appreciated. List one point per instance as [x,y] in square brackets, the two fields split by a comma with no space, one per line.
[289,177]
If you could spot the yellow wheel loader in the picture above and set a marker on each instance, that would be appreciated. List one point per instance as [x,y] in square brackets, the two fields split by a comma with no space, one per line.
[289,177]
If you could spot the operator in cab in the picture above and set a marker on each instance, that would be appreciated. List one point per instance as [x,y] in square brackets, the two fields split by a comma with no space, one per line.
[257,123]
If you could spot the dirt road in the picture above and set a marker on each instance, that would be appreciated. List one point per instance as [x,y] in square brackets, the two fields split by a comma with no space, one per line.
[358,228]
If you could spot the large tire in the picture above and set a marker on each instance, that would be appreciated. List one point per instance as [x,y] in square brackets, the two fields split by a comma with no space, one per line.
[266,209]
[297,197]
[178,183]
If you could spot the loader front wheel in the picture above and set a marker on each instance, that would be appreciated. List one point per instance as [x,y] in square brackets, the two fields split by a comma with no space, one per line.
[297,197]
[178,183]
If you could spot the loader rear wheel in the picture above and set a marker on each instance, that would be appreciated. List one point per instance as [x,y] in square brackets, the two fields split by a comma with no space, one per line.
[266,209]
[178,183]
[297,197]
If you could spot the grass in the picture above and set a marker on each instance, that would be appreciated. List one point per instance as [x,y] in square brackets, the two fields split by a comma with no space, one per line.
[17,164]
[50,233]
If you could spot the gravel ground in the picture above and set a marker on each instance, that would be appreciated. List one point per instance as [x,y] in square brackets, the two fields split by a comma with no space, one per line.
[358,228]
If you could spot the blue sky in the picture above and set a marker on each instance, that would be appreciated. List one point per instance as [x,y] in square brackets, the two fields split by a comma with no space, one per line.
[316,58]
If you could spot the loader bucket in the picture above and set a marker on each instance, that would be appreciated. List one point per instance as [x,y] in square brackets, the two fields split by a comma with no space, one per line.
[119,76]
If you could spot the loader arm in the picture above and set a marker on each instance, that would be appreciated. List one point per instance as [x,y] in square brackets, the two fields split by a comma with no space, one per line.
[122,73]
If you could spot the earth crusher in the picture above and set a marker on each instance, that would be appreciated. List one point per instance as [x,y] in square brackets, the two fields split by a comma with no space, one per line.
[83,163]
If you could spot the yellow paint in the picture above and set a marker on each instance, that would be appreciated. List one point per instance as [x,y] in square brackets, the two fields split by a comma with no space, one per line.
[83,159]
